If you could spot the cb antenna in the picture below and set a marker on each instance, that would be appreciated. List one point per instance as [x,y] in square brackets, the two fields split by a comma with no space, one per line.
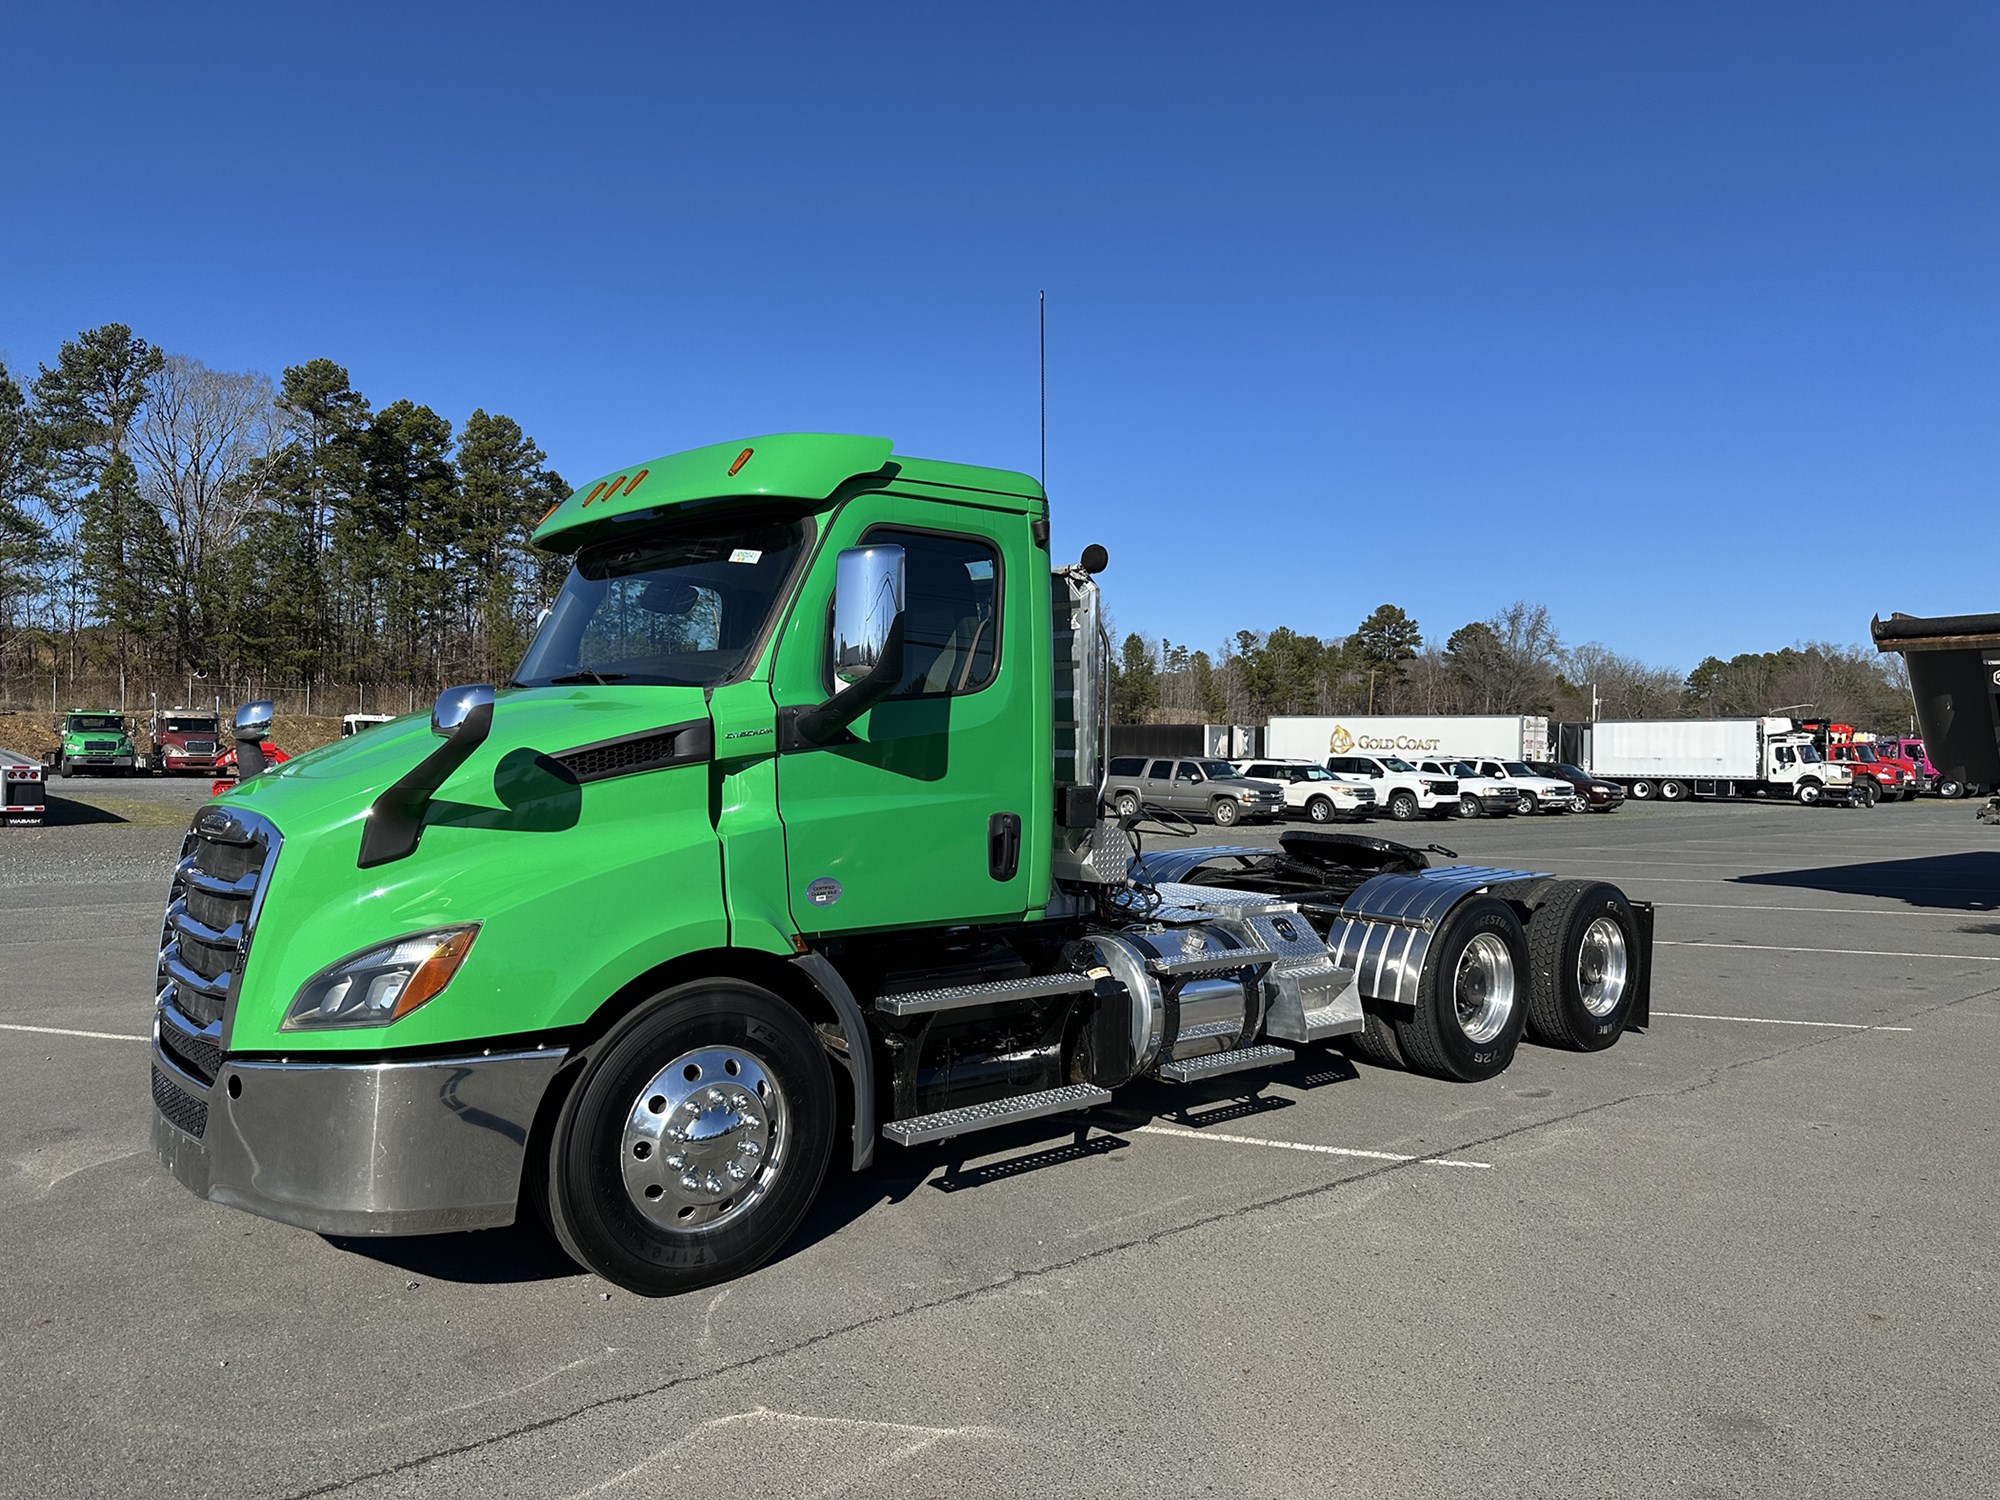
[1042,307]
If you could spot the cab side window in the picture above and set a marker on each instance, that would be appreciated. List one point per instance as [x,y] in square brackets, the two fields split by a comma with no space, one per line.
[951,611]
[1126,765]
[1187,771]
[1160,770]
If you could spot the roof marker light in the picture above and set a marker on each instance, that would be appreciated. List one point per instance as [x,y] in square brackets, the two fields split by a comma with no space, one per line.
[547,513]
[741,459]
[596,490]
[635,480]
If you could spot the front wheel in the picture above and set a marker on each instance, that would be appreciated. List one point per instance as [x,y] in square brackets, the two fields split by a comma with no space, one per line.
[1951,790]
[1472,998]
[1224,813]
[1527,805]
[694,1141]
[1320,809]
[1468,807]
[1809,792]
[1403,806]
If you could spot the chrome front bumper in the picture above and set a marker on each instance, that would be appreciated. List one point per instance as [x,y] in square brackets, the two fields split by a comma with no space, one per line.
[376,1148]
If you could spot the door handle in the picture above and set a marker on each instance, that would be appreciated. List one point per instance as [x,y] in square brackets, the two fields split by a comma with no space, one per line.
[1003,845]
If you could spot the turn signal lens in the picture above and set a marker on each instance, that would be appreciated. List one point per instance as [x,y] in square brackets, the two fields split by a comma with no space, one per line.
[741,459]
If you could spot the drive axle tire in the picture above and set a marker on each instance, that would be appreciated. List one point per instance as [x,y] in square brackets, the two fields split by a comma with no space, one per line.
[1320,810]
[1374,1043]
[694,1140]
[1673,791]
[1224,813]
[1642,791]
[1403,806]
[1472,997]
[1583,962]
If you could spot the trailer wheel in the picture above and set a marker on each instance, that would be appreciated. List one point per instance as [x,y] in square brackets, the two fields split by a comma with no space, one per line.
[1583,960]
[1642,791]
[1673,791]
[1320,809]
[695,1140]
[1472,998]
[1403,806]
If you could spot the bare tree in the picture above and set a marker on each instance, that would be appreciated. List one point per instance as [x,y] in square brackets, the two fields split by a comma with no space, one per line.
[201,434]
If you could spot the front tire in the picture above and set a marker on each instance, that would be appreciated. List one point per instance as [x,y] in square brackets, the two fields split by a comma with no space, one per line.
[1225,814]
[1528,806]
[1472,998]
[1809,792]
[1321,809]
[1468,807]
[1951,791]
[1403,806]
[694,1141]
[1583,960]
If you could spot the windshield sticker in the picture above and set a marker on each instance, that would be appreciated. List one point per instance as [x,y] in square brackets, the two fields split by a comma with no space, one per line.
[746,555]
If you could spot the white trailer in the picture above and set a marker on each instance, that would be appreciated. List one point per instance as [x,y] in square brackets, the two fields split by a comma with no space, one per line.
[1501,736]
[1673,759]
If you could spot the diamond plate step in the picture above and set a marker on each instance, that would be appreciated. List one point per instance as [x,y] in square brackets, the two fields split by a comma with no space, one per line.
[1211,961]
[991,992]
[1217,1063]
[1337,1019]
[969,1117]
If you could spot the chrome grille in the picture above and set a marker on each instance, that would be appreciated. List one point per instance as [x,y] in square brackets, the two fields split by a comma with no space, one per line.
[212,911]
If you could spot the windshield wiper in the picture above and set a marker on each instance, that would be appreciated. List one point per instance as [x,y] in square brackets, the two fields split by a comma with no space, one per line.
[602,679]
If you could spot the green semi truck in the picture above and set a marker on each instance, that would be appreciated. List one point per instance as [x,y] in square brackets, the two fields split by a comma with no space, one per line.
[95,740]
[788,835]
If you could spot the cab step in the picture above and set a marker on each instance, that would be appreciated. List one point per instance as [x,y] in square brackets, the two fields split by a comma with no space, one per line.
[969,1117]
[1215,1064]
[990,992]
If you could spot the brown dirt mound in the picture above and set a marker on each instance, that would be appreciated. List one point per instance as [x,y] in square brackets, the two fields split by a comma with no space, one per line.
[35,735]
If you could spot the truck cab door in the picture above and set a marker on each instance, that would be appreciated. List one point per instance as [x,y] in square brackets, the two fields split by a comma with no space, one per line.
[933,806]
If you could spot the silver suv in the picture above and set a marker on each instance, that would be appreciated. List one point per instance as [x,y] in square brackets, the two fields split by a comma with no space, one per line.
[1192,787]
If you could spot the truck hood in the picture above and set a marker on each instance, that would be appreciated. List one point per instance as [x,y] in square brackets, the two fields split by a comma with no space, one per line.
[336,783]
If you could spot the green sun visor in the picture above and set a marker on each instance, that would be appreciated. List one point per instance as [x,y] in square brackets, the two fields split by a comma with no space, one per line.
[786,465]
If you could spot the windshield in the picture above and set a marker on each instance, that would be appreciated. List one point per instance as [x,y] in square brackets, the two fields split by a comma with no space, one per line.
[188,726]
[95,724]
[684,606]
[1217,769]
[1395,763]
[1866,754]
[1458,768]
[1568,770]
[1312,773]
[1809,754]
[1516,768]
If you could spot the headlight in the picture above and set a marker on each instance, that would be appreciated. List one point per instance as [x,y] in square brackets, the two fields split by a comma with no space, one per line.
[381,984]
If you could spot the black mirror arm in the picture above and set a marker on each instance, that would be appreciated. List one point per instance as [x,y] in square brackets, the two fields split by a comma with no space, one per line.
[822,724]
[396,821]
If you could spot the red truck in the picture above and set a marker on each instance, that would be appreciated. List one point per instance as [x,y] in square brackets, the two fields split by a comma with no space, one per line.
[187,740]
[1891,777]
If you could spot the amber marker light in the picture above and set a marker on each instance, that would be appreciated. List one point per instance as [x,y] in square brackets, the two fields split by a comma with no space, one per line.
[547,513]
[741,459]
[436,972]
[635,480]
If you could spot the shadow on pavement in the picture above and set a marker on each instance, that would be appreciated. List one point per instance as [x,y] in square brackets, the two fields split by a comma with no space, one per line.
[65,812]
[1949,882]
[523,1252]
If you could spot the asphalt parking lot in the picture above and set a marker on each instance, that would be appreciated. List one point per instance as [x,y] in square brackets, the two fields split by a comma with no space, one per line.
[1752,1251]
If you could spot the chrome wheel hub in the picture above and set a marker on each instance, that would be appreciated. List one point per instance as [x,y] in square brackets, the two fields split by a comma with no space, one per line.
[1483,988]
[1601,966]
[704,1140]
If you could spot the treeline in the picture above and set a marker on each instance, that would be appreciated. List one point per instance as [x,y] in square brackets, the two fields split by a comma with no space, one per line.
[1513,663]
[165,524]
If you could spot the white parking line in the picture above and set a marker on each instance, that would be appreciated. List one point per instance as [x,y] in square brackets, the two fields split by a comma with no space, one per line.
[1969,958]
[102,1036]
[1837,911]
[1685,1015]
[1251,1140]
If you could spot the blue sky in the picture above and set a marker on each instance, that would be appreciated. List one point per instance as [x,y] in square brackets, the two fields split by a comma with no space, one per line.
[1681,319]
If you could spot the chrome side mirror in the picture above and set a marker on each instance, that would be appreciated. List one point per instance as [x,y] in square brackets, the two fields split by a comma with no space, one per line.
[868,594]
[253,722]
[457,704]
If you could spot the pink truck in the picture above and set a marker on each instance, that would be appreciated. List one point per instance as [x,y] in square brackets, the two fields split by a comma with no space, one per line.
[1912,750]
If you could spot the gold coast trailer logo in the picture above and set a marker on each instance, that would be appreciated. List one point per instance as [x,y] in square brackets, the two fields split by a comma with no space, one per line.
[1340,741]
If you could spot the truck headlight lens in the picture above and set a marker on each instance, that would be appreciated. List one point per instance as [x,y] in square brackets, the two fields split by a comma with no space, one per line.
[381,984]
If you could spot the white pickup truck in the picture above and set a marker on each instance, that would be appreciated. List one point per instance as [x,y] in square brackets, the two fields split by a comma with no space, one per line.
[1478,796]
[1312,789]
[1401,789]
[1538,793]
